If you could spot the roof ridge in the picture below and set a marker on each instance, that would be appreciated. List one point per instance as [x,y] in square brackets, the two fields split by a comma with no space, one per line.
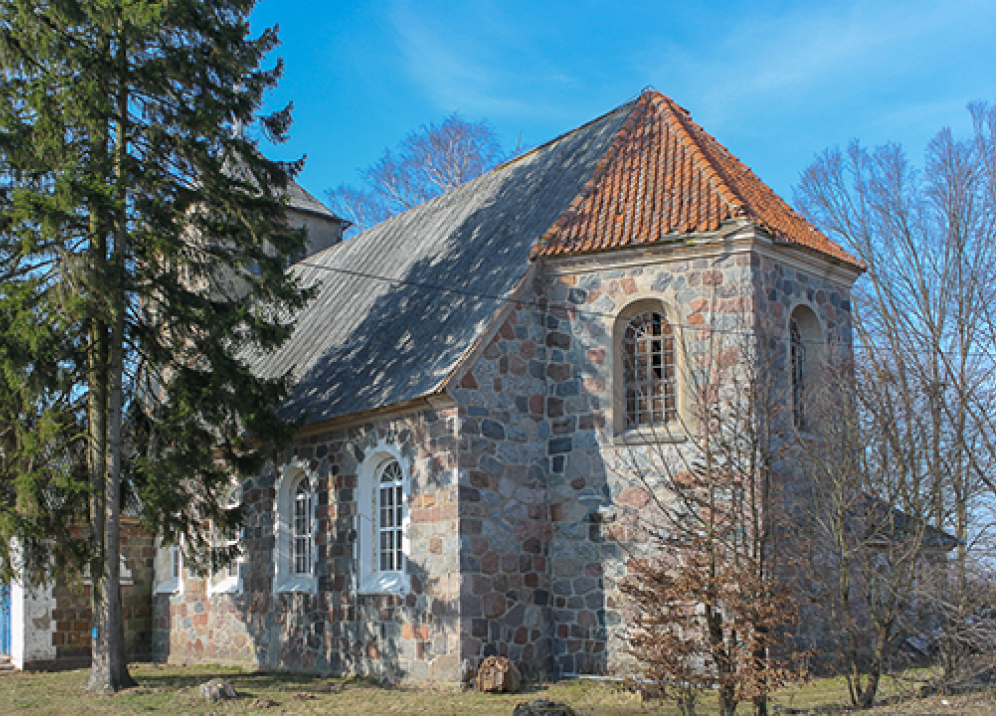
[564,135]
[714,174]
[747,206]
[446,195]
[637,111]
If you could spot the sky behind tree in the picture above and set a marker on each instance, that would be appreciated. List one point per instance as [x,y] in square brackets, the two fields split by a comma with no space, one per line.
[776,81]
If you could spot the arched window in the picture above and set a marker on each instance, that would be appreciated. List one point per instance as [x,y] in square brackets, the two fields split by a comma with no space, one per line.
[390,502]
[798,358]
[303,539]
[168,567]
[228,578]
[650,394]
[382,518]
[806,357]
[295,526]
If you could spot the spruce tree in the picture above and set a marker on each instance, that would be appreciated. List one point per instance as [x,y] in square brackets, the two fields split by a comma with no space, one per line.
[143,238]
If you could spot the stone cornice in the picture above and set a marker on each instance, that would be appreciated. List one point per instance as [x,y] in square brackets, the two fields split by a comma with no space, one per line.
[734,240]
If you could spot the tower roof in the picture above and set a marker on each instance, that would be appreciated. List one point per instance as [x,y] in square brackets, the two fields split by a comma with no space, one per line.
[664,176]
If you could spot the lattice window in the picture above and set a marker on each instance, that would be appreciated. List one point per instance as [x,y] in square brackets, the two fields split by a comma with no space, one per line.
[390,502]
[233,537]
[798,348]
[175,557]
[303,539]
[649,370]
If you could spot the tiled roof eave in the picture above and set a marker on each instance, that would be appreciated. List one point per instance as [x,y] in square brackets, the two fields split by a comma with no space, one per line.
[675,238]
[847,260]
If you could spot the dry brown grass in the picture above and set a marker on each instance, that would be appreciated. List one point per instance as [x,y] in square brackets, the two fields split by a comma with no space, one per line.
[173,690]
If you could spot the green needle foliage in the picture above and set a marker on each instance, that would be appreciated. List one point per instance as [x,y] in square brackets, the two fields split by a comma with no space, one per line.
[143,238]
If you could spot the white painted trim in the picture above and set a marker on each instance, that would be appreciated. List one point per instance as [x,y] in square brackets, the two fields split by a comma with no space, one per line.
[127,579]
[370,580]
[31,624]
[166,583]
[222,582]
[284,578]
[17,625]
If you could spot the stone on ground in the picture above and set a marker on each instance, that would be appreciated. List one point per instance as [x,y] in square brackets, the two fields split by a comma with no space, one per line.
[263,703]
[217,690]
[543,708]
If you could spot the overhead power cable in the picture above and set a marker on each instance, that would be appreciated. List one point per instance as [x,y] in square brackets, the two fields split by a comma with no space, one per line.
[535,304]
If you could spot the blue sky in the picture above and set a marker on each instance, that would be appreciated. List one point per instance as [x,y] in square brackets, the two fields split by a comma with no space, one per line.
[776,81]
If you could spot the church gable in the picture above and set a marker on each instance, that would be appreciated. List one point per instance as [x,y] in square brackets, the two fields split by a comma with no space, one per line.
[399,307]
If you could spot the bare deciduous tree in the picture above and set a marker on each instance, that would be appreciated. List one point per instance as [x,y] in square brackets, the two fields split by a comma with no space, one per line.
[429,162]
[711,603]
[870,532]
[927,338]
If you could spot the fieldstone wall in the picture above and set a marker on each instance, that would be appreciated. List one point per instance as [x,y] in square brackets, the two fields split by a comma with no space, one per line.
[597,502]
[504,460]
[524,502]
[412,636]
[599,507]
[781,288]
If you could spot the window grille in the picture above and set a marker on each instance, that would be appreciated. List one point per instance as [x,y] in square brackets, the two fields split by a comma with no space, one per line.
[302,528]
[390,501]
[233,538]
[798,374]
[174,556]
[649,370]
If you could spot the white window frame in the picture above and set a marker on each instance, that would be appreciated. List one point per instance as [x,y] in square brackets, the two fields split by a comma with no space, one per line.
[169,568]
[371,579]
[127,579]
[302,529]
[286,578]
[223,581]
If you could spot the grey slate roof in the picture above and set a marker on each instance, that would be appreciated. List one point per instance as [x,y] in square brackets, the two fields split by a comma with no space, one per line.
[365,342]
[300,199]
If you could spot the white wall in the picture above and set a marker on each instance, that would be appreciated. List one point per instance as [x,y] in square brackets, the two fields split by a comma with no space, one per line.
[31,624]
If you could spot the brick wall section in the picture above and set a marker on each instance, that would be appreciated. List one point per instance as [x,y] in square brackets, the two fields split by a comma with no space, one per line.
[73,615]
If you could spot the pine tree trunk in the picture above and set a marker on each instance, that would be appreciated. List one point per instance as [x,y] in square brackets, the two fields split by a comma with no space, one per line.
[97,465]
[109,668]
[108,672]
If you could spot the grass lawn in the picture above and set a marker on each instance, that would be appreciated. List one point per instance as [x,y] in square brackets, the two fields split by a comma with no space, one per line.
[174,690]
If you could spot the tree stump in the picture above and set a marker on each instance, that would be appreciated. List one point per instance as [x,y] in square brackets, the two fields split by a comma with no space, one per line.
[497,674]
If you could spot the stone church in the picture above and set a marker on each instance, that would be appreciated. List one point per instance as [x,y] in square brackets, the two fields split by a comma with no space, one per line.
[474,373]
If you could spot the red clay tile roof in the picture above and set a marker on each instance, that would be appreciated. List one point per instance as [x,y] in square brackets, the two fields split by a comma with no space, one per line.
[664,176]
